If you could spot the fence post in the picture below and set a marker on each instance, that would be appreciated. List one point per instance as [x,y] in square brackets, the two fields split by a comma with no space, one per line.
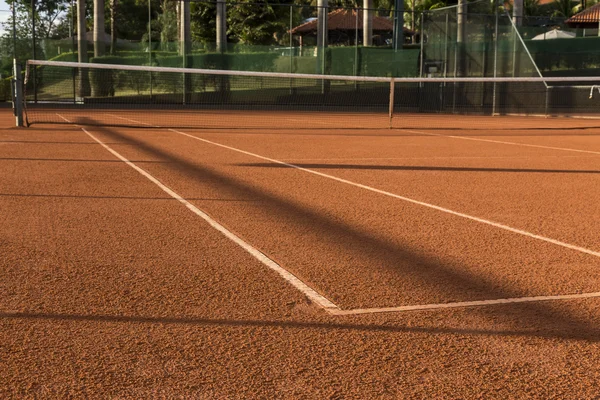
[496,30]
[391,108]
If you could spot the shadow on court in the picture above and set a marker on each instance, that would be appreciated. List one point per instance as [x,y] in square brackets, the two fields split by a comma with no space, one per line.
[402,260]
[562,330]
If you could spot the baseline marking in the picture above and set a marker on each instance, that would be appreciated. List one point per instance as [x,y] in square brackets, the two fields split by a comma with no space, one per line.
[463,304]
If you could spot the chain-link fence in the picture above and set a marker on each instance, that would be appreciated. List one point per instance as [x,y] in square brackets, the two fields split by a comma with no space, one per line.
[283,38]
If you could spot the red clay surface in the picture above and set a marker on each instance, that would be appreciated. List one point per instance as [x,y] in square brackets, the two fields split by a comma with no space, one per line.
[110,288]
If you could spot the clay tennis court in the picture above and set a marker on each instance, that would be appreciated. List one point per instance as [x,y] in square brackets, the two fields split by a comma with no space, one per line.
[300,263]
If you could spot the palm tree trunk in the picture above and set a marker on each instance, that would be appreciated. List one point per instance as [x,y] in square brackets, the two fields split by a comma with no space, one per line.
[99,30]
[99,79]
[83,84]
[113,30]
[461,37]
[412,20]
[367,22]
[185,34]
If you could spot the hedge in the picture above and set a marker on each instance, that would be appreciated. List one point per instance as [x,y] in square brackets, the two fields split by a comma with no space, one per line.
[5,94]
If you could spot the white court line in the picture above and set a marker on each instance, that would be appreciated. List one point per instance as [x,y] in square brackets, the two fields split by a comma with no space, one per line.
[462,304]
[403,198]
[503,142]
[286,275]
[335,310]
[431,158]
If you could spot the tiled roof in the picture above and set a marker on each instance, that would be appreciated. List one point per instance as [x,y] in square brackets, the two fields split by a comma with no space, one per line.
[589,15]
[346,20]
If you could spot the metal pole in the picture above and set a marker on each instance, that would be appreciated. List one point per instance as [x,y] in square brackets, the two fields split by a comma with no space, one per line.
[150,44]
[321,35]
[14,26]
[291,47]
[422,48]
[149,34]
[291,39]
[514,52]
[356,44]
[34,53]
[398,24]
[446,49]
[72,28]
[548,89]
[495,59]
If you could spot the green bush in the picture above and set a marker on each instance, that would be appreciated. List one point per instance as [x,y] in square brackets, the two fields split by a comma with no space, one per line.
[5,94]
[574,54]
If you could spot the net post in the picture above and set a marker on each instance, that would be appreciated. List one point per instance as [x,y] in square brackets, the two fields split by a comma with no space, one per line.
[547,104]
[391,108]
[17,93]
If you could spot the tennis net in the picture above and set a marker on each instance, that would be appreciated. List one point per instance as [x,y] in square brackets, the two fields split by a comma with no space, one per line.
[139,96]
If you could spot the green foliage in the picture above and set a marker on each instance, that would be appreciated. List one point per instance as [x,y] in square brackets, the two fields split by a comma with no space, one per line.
[204,22]
[5,94]
[167,22]
[257,23]
[47,17]
[233,61]
[248,22]
[577,54]
[565,8]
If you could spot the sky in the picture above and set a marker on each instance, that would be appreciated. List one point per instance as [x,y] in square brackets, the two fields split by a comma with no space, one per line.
[4,13]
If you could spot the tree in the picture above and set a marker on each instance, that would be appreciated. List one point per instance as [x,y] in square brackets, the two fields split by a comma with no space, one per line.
[565,8]
[83,83]
[258,23]
[47,19]
[113,29]
[248,22]
[99,28]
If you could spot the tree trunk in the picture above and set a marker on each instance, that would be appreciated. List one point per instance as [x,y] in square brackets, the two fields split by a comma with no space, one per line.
[221,26]
[100,80]
[113,30]
[99,29]
[518,12]
[185,34]
[322,33]
[367,22]
[461,26]
[83,84]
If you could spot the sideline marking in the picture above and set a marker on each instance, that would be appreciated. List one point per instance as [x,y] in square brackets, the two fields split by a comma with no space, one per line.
[335,310]
[407,199]
[464,304]
[502,142]
[286,275]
